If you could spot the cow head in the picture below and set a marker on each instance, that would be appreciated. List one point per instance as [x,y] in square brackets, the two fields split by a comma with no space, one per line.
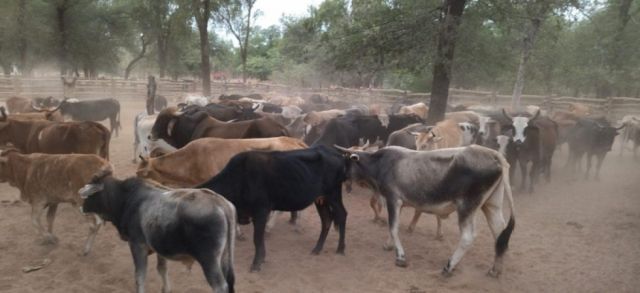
[359,166]
[522,125]
[426,141]
[93,193]
[5,170]
[605,136]
[165,123]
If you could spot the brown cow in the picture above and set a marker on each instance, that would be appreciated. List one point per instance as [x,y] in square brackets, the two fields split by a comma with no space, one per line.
[37,115]
[580,109]
[178,129]
[203,158]
[46,180]
[315,118]
[50,137]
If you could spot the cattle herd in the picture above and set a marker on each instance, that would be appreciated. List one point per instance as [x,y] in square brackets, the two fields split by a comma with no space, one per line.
[207,165]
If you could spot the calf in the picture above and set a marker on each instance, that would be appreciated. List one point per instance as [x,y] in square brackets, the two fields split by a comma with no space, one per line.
[45,181]
[465,180]
[314,118]
[446,134]
[186,225]
[259,182]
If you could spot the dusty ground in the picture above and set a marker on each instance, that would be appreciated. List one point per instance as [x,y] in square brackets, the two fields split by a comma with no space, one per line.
[570,236]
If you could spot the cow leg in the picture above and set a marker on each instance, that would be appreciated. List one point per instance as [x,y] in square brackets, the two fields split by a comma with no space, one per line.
[393,208]
[523,171]
[439,235]
[416,216]
[325,220]
[94,227]
[586,173]
[534,173]
[164,274]
[467,234]
[273,216]
[600,158]
[36,213]
[51,216]
[259,225]
[493,213]
[376,206]
[139,252]
[212,268]
[340,218]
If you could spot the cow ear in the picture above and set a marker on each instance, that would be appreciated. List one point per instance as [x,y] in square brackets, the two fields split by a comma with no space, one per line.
[170,126]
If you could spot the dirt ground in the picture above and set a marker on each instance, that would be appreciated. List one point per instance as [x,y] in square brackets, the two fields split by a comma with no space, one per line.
[570,236]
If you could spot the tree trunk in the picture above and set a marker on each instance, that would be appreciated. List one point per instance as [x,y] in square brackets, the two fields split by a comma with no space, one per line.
[244,66]
[62,30]
[202,10]
[527,46]
[447,35]
[162,56]
[127,71]
[22,41]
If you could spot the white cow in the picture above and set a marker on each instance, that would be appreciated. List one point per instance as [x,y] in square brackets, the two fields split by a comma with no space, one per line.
[142,146]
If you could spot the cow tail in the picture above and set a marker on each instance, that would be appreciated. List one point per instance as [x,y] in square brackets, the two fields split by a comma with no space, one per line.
[502,242]
[118,126]
[231,238]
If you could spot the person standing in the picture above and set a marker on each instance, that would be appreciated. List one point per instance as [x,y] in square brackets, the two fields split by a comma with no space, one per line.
[151,94]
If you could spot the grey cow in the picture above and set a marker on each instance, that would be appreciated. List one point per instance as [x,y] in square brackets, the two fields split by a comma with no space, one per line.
[466,180]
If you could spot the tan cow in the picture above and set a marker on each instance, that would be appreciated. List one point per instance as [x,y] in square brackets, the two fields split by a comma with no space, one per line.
[580,109]
[420,109]
[45,181]
[203,158]
[314,118]
[446,134]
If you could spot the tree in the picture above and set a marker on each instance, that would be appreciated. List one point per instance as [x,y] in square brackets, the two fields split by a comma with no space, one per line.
[202,11]
[144,42]
[450,18]
[237,16]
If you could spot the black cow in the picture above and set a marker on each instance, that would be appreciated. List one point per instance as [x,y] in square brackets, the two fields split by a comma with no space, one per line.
[534,140]
[397,122]
[178,224]
[92,110]
[346,131]
[593,136]
[259,182]
[222,112]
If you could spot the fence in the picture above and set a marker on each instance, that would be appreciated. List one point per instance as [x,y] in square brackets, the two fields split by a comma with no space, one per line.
[614,107]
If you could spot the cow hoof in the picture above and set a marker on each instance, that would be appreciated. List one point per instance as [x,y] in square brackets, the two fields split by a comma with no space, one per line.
[439,237]
[410,230]
[387,247]
[340,251]
[241,237]
[315,251]
[49,240]
[445,273]
[401,263]
[493,273]
[254,268]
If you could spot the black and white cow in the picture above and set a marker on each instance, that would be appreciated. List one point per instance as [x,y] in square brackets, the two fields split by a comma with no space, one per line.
[258,182]
[466,180]
[186,225]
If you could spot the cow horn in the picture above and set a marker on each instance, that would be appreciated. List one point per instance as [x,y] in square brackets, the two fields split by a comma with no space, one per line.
[506,115]
[343,150]
[34,107]
[143,159]
[619,128]
[170,126]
